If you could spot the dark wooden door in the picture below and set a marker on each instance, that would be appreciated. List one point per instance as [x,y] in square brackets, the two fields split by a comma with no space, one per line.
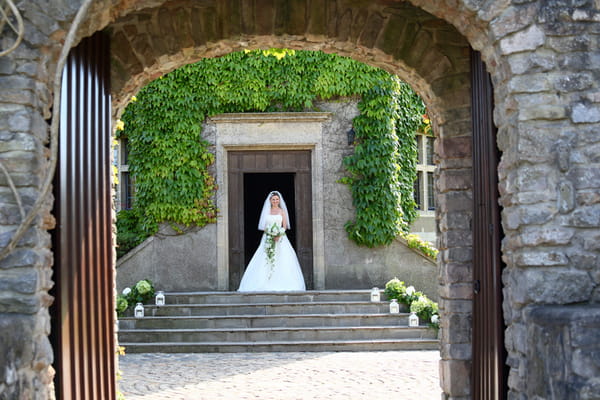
[296,162]
[82,332]
[489,355]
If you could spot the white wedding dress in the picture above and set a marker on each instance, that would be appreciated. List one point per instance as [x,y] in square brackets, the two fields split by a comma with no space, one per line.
[284,275]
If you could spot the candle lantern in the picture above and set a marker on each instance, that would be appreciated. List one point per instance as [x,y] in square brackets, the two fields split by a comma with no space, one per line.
[394,307]
[138,311]
[375,294]
[413,320]
[160,298]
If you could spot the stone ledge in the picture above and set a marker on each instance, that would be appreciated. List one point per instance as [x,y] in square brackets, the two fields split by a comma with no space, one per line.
[261,118]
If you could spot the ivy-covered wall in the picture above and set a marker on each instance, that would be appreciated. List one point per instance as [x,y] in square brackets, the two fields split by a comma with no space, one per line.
[190,261]
[170,160]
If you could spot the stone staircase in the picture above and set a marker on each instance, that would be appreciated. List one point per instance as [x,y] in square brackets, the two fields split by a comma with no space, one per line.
[208,322]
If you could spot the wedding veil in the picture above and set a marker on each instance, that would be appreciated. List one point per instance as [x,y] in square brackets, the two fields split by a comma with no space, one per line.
[266,210]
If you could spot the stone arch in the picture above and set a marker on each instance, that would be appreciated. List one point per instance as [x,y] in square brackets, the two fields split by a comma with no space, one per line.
[429,53]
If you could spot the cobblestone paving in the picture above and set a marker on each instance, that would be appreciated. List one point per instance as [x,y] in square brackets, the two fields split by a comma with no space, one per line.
[281,376]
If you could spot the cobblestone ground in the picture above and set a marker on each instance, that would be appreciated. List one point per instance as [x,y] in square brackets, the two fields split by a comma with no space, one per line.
[281,376]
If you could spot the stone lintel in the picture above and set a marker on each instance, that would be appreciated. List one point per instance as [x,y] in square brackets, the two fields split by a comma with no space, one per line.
[261,118]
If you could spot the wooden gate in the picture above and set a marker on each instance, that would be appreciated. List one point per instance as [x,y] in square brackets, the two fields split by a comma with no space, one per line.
[489,355]
[83,314]
[297,162]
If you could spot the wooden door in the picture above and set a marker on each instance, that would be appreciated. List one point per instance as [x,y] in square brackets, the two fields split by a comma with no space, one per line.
[489,355]
[82,315]
[296,162]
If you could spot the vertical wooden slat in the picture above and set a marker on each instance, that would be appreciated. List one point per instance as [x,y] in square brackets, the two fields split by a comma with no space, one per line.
[489,378]
[83,314]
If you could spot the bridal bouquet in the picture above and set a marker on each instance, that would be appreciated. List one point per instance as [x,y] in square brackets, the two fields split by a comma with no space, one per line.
[273,232]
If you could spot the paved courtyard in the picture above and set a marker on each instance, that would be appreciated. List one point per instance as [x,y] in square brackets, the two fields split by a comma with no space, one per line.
[394,375]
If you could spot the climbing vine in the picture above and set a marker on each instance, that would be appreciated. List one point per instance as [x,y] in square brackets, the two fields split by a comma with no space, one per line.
[170,160]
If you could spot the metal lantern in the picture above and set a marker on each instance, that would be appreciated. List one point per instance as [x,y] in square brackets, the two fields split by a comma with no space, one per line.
[160,298]
[138,311]
[413,320]
[375,294]
[394,307]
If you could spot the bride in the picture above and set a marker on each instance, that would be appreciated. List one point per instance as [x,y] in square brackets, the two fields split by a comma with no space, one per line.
[274,266]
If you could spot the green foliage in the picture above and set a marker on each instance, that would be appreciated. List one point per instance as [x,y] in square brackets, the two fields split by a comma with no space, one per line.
[141,292]
[122,304]
[417,302]
[170,159]
[131,230]
[415,242]
[425,308]
[396,289]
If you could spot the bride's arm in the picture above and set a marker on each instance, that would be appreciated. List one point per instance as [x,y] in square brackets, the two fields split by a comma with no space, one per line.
[284,222]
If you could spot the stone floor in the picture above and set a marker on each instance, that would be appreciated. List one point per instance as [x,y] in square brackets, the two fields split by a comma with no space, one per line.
[394,375]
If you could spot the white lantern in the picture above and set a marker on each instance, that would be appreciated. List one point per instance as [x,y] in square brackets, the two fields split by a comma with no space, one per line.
[138,311]
[394,307]
[413,320]
[160,298]
[375,294]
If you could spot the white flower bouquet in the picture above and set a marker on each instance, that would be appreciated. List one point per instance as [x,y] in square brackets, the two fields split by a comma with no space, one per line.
[273,232]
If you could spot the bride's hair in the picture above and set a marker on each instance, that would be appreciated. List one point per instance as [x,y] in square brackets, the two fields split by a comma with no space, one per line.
[266,210]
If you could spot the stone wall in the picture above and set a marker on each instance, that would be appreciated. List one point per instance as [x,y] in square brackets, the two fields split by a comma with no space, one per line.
[543,57]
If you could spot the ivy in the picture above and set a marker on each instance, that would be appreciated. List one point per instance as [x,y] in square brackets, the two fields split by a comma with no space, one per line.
[170,160]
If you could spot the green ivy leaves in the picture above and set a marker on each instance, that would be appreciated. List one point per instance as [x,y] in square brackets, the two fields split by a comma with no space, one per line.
[170,160]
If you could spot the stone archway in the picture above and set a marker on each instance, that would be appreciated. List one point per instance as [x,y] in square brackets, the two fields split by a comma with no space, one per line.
[541,55]
[420,48]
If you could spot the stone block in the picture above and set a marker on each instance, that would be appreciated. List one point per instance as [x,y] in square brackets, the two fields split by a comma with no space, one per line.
[513,20]
[457,351]
[455,238]
[569,44]
[540,61]
[461,201]
[456,273]
[21,280]
[531,83]
[453,374]
[550,285]
[563,350]
[457,254]
[574,82]
[454,180]
[585,217]
[532,258]
[455,220]
[585,177]
[546,235]
[457,291]
[585,113]
[454,147]
[565,197]
[527,39]
[20,258]
[542,112]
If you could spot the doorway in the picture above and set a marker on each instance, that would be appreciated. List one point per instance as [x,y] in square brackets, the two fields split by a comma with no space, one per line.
[256,188]
[251,175]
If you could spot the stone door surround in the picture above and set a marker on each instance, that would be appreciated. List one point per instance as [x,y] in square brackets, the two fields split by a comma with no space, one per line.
[269,131]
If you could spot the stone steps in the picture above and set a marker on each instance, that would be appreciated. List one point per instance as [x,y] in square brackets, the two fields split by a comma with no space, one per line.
[274,334]
[295,346]
[263,321]
[276,321]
